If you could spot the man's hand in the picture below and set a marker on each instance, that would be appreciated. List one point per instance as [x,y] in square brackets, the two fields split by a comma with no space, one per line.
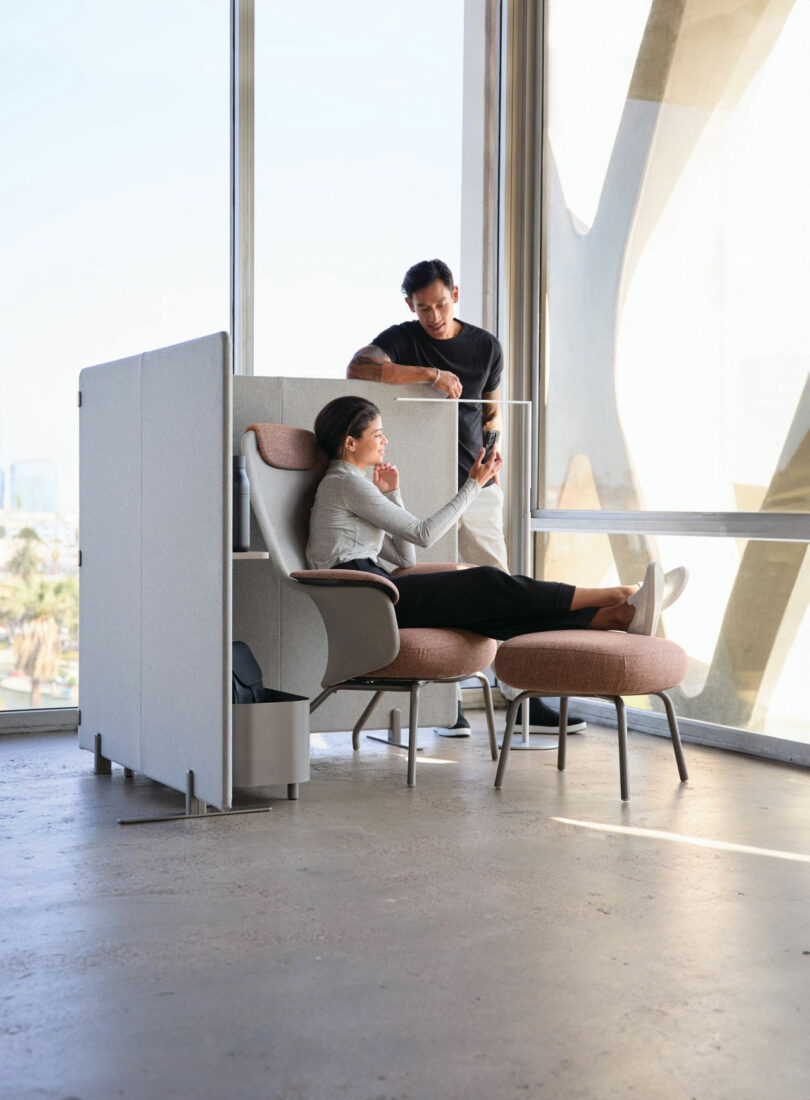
[448,383]
[491,419]
[386,477]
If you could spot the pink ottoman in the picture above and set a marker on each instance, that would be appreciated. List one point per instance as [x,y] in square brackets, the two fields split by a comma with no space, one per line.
[603,663]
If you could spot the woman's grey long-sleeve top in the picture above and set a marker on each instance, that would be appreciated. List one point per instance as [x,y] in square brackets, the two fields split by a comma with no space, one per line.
[352,518]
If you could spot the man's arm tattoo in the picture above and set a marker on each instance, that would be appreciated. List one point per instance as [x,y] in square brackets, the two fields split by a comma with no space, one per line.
[491,414]
[367,363]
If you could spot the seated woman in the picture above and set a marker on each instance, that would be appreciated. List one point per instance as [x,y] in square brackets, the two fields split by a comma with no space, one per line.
[354,522]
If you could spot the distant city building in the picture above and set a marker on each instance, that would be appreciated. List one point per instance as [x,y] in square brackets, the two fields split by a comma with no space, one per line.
[34,485]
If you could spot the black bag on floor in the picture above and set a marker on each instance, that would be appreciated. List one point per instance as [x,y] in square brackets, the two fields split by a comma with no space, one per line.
[247,676]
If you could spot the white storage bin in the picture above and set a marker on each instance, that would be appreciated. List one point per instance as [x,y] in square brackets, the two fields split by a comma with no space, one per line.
[271,742]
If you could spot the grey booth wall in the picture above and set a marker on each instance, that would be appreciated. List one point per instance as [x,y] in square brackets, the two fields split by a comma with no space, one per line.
[283,628]
[155,612]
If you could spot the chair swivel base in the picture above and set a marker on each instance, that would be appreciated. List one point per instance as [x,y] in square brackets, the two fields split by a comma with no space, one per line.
[394,736]
[540,742]
[521,739]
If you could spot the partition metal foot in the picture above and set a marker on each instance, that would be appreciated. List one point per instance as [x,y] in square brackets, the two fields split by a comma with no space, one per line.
[674,733]
[209,816]
[194,805]
[197,808]
[101,765]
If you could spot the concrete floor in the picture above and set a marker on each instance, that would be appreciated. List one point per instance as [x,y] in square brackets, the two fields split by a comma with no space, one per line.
[374,942]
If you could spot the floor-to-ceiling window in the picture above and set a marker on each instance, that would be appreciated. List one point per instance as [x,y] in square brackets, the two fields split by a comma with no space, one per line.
[675,402]
[114,230]
[358,170]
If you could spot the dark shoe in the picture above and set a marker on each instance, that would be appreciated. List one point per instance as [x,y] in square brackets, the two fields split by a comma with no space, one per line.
[460,728]
[542,719]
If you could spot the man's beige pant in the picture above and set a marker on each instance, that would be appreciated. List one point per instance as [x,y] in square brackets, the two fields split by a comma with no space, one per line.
[481,541]
[480,530]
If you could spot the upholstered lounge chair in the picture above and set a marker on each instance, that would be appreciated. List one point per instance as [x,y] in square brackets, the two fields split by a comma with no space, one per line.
[367,650]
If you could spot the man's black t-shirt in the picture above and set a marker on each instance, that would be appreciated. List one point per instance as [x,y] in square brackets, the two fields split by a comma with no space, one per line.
[474,355]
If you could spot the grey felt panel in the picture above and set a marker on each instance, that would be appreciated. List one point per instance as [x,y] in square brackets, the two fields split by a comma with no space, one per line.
[186,475]
[256,400]
[290,643]
[110,575]
[422,441]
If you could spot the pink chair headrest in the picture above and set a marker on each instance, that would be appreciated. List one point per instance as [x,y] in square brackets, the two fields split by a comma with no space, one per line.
[287,448]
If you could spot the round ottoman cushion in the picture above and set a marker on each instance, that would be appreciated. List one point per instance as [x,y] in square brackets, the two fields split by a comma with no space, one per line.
[426,653]
[590,662]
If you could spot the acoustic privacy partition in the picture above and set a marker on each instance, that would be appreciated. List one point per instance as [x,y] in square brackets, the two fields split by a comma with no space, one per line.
[155,518]
[160,598]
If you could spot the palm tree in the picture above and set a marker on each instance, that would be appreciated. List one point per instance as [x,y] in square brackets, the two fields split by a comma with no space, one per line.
[25,560]
[38,652]
[55,549]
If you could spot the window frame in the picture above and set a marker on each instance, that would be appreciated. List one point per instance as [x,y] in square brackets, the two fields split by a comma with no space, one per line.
[521,204]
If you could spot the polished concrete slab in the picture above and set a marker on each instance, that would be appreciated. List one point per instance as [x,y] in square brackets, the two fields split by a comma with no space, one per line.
[379,943]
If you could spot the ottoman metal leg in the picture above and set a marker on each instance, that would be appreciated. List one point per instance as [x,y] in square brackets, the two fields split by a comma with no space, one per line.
[493,744]
[621,715]
[506,744]
[674,733]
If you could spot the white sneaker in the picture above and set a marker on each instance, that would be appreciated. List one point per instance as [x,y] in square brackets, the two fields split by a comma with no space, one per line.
[647,601]
[674,583]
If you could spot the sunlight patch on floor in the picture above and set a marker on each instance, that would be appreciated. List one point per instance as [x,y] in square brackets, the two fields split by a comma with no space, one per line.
[695,841]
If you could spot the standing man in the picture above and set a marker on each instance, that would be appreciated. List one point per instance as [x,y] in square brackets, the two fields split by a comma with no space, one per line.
[458,360]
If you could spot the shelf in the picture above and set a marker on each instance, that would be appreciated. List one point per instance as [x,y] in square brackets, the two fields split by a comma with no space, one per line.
[253,555]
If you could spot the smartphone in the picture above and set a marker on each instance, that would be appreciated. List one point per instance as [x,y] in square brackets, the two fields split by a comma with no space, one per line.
[490,440]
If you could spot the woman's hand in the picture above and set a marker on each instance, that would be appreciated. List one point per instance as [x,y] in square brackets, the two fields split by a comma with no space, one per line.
[484,472]
[386,477]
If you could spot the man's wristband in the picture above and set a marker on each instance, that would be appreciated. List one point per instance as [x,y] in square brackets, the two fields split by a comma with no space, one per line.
[436,379]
